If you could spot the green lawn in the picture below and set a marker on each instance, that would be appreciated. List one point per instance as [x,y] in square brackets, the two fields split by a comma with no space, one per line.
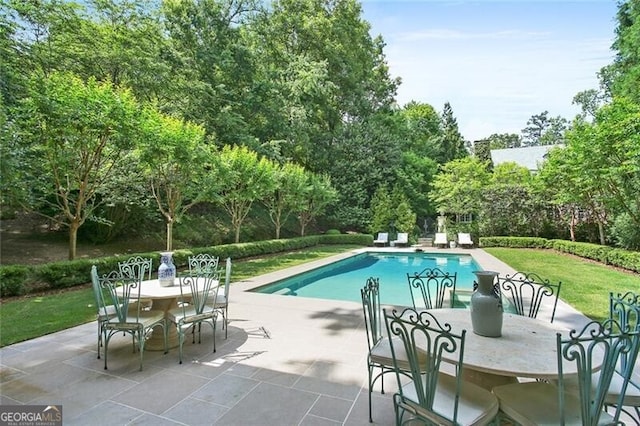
[585,286]
[30,317]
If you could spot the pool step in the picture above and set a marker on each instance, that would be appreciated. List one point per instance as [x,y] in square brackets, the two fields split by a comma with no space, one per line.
[425,242]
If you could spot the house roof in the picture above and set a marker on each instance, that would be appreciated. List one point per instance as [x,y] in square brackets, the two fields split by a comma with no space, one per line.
[530,157]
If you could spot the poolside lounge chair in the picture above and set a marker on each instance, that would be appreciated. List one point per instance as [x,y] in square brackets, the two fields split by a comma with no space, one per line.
[440,240]
[383,239]
[464,240]
[403,239]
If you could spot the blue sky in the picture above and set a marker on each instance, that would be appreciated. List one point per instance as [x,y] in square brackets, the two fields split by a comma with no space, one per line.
[497,62]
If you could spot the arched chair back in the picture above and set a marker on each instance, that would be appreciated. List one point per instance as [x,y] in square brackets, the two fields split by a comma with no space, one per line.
[432,396]
[526,293]
[136,267]
[430,288]
[203,262]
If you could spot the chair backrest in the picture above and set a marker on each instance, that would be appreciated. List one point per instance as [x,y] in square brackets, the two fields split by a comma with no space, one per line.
[526,292]
[373,321]
[596,345]
[121,291]
[464,238]
[95,284]
[136,267]
[227,278]
[383,236]
[433,285]
[421,333]
[203,262]
[625,309]
[200,299]
[403,237]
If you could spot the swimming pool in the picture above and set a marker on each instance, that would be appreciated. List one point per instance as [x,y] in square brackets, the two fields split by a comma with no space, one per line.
[343,280]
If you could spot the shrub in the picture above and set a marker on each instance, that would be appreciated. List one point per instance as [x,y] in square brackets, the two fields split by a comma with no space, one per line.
[12,279]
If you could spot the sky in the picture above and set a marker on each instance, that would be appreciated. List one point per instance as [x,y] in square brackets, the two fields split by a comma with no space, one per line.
[496,62]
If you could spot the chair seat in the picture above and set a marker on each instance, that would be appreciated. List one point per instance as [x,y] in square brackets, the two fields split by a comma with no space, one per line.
[145,320]
[631,397]
[188,314]
[477,406]
[381,354]
[536,403]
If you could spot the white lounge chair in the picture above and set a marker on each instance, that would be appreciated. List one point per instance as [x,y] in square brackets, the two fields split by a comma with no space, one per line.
[464,239]
[403,239]
[383,239]
[441,239]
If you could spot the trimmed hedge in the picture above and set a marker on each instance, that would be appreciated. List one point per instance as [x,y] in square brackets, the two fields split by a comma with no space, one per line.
[620,258]
[17,280]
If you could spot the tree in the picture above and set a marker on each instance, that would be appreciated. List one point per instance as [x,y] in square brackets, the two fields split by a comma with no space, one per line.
[237,179]
[381,211]
[542,130]
[458,187]
[452,144]
[423,129]
[623,75]
[317,195]
[173,155]
[82,131]
[287,193]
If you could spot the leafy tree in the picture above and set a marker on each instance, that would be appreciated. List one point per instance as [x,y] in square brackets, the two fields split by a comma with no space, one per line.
[457,188]
[623,75]
[504,140]
[287,193]
[543,130]
[415,177]
[237,179]
[381,211]
[317,195]
[452,144]
[423,129]
[82,132]
[404,218]
[173,156]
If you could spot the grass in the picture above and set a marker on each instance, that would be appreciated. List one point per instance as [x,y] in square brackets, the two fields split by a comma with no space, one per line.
[28,317]
[585,284]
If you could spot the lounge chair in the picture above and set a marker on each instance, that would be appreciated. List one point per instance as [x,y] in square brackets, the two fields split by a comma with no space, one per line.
[403,239]
[441,240]
[383,239]
[464,240]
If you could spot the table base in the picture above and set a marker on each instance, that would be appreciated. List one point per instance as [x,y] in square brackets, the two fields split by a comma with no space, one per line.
[486,380]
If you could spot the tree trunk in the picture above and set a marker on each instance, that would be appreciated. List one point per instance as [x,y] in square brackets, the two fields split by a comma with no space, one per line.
[237,234]
[169,235]
[572,226]
[302,229]
[603,239]
[73,239]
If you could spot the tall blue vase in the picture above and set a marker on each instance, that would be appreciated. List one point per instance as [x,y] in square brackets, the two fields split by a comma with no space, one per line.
[486,306]
[166,270]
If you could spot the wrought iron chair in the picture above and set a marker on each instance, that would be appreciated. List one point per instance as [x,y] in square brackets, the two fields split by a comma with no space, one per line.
[596,345]
[123,292]
[104,312]
[140,268]
[431,396]
[379,356]
[198,306]
[434,285]
[525,292]
[625,309]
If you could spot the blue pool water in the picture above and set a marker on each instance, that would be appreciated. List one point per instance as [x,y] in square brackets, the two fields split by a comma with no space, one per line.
[343,280]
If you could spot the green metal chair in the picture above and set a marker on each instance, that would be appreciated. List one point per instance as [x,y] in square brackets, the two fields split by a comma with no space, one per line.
[625,309]
[526,292]
[197,306]
[432,397]
[123,293]
[379,356]
[104,312]
[433,285]
[596,345]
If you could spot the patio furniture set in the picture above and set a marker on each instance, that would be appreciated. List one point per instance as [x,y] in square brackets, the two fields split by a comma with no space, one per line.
[159,317]
[535,373]
[464,240]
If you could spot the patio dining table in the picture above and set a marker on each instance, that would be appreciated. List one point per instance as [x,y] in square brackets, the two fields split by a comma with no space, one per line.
[527,349]
[164,299]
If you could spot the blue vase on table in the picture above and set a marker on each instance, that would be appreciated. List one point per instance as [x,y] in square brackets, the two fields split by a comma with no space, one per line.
[166,270]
